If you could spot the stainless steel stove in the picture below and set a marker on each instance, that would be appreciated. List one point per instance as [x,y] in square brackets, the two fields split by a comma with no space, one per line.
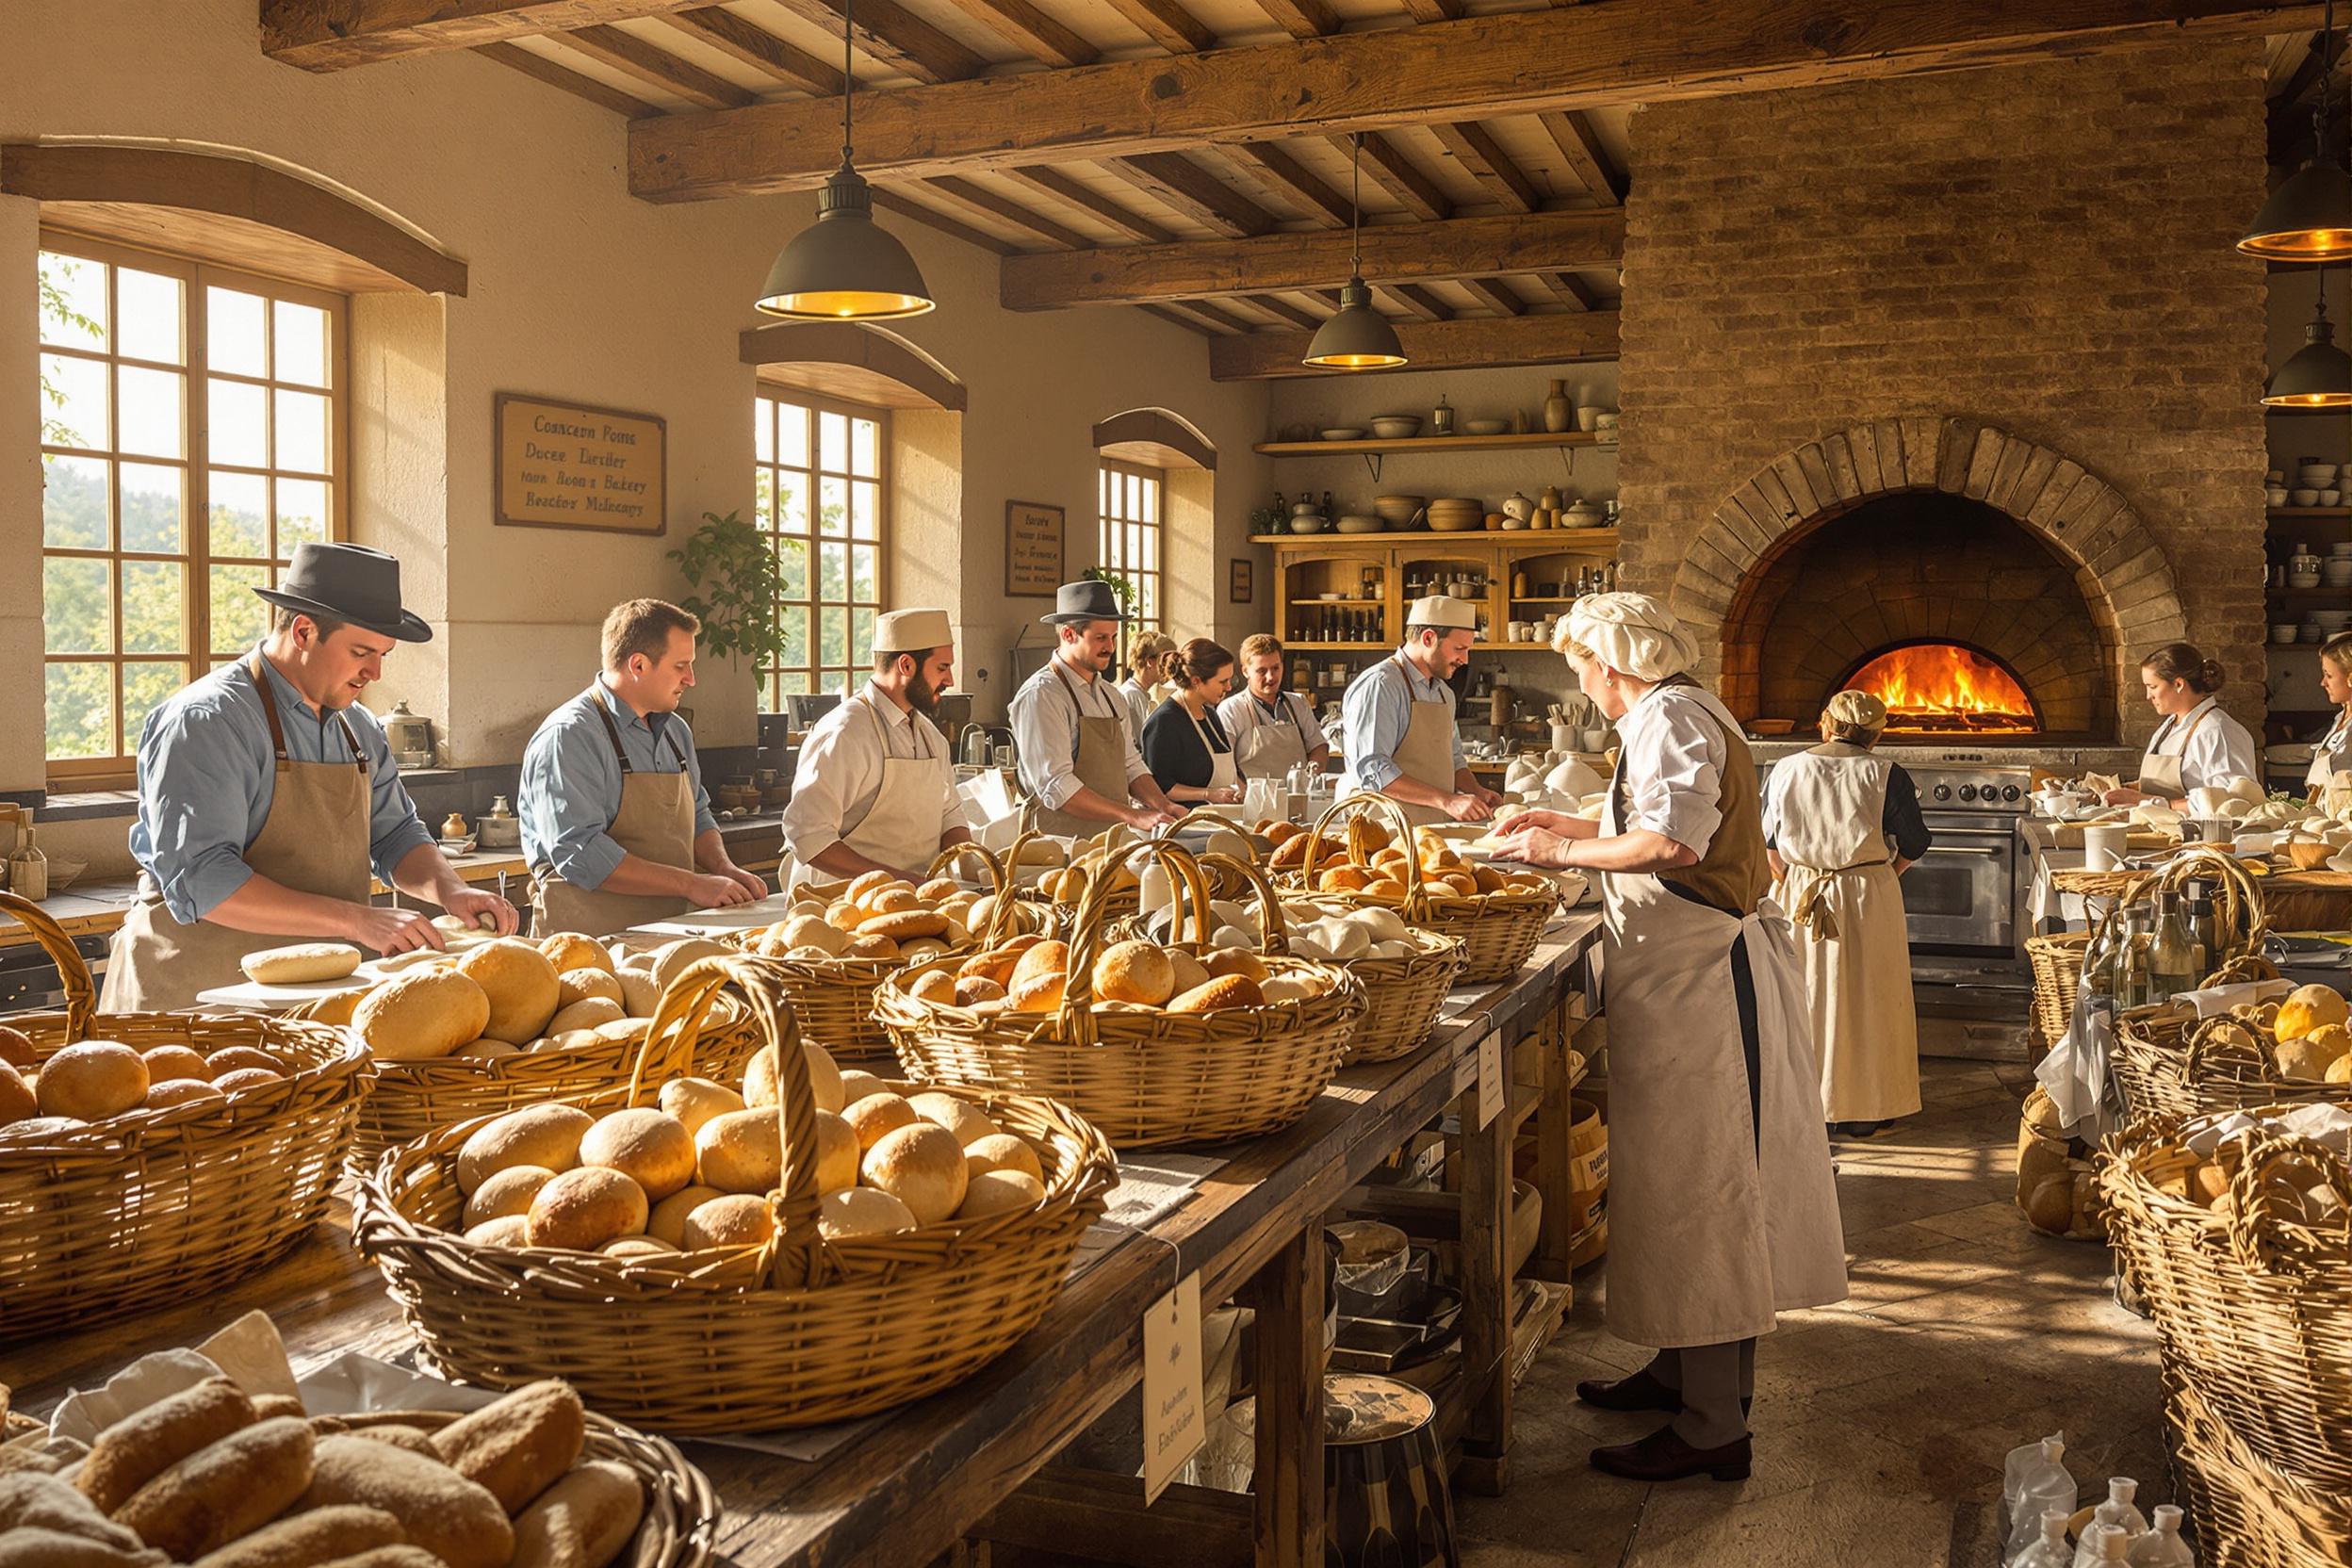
[1964,901]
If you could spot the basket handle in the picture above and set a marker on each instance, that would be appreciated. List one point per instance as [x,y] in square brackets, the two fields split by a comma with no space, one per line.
[2212,1041]
[1086,944]
[1400,827]
[81,994]
[1273,926]
[945,860]
[2261,1234]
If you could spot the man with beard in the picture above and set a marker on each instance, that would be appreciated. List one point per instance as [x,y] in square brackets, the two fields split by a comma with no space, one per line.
[1079,762]
[617,825]
[876,789]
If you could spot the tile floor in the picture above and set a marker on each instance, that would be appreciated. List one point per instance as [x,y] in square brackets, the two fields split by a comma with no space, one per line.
[1881,1422]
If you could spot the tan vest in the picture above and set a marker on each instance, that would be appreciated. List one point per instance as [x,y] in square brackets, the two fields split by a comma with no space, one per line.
[1734,873]
[656,821]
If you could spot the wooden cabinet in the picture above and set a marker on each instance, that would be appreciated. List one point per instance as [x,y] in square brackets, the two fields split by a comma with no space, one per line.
[1326,585]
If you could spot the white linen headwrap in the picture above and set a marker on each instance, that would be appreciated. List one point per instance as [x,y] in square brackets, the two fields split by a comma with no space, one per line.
[1633,632]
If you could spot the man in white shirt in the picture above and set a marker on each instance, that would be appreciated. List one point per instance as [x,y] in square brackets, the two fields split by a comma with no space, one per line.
[875,789]
[1273,731]
[1079,765]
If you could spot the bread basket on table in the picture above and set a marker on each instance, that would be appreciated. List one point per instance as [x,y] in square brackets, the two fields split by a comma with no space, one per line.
[1498,929]
[2171,1064]
[1145,1077]
[833,998]
[113,1217]
[797,1331]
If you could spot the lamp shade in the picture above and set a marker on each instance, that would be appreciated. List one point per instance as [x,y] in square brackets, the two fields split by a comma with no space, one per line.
[1356,338]
[2319,375]
[2308,219]
[844,267]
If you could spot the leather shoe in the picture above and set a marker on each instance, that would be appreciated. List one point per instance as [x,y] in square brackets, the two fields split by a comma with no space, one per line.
[1639,1392]
[1663,1456]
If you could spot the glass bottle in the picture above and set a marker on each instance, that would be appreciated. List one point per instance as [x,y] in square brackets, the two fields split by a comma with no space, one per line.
[2047,1549]
[2161,1547]
[2131,976]
[2171,951]
[2098,958]
[2204,927]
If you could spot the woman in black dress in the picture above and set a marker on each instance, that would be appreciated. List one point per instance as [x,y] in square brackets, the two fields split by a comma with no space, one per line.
[1184,743]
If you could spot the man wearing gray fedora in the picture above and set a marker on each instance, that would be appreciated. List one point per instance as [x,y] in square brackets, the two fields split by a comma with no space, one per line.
[1079,765]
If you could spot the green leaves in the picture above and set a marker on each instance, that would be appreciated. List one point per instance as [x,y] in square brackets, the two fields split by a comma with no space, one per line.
[737,582]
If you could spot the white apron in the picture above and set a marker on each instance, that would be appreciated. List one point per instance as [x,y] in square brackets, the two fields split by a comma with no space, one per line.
[2331,756]
[1846,901]
[1223,772]
[1269,748]
[1101,763]
[902,828]
[1425,755]
[655,821]
[1723,1208]
[2160,768]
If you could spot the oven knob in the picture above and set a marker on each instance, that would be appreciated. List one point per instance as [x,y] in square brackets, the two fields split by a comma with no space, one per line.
[1967,791]
[1943,791]
[2009,792]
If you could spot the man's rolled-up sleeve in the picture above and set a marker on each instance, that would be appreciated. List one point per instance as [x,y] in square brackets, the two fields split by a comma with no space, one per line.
[570,785]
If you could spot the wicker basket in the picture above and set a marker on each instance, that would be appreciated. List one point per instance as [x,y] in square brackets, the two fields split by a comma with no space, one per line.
[1146,1078]
[833,998]
[159,1207]
[1499,931]
[2246,1514]
[2057,964]
[2173,1065]
[2252,1307]
[797,1331]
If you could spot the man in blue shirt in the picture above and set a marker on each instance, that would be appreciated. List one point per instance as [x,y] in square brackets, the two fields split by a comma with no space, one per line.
[267,794]
[616,825]
[1398,715]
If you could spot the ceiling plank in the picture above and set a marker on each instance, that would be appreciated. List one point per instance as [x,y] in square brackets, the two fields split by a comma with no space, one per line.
[1003,210]
[1469,343]
[1078,194]
[1169,313]
[1483,159]
[1571,291]
[1414,300]
[1476,68]
[888,33]
[1199,195]
[931,217]
[541,68]
[1302,18]
[1391,252]
[627,52]
[1433,11]
[1273,163]
[1495,295]
[1025,27]
[1223,320]
[1168,25]
[1401,177]
[1281,309]
[719,28]
[334,35]
[1572,132]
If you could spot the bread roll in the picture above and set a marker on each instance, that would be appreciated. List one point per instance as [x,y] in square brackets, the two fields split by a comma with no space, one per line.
[824,1077]
[813,931]
[903,926]
[512,1230]
[1039,993]
[838,1153]
[640,996]
[37,1546]
[31,1499]
[486,1050]
[740,1151]
[649,1146]
[144,1444]
[667,1222]
[585,1014]
[862,1212]
[637,1249]
[521,985]
[738,1220]
[1003,1151]
[247,1078]
[671,959]
[18,1103]
[936,986]
[583,1521]
[865,944]
[299,963]
[627,1031]
[999,1192]
[268,1405]
[411,1438]
[238,1058]
[586,1207]
[226,1488]
[537,1135]
[16,1047]
[1040,958]
[1135,971]
[695,1101]
[579,984]
[966,1120]
[166,1063]
[923,1166]
[975,989]
[517,1443]
[505,1192]
[421,1014]
[93,1081]
[876,1115]
[174,1092]
[454,1518]
[569,950]
[1234,960]
[855,1085]
[1226,990]
[309,1540]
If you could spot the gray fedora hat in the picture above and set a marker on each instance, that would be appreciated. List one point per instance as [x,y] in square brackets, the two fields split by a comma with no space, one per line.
[348,582]
[1089,599]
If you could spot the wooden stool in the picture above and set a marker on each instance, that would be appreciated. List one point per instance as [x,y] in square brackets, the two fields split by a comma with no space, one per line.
[1387,1504]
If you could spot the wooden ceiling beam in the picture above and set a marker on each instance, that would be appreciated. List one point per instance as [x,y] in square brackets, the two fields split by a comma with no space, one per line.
[1391,252]
[334,35]
[1414,300]
[1572,132]
[1169,313]
[629,53]
[888,33]
[1223,320]
[1478,68]
[540,69]
[1054,183]
[1433,11]
[1199,195]
[1282,310]
[1495,295]
[719,28]
[955,187]
[1397,174]
[1302,18]
[1483,159]
[1468,343]
[1029,29]
[1271,162]
[931,217]
[1571,291]
[1168,25]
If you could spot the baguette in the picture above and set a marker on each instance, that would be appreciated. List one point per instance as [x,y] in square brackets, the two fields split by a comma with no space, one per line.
[144,1444]
[410,1438]
[583,1521]
[224,1490]
[516,1447]
[309,1540]
[444,1512]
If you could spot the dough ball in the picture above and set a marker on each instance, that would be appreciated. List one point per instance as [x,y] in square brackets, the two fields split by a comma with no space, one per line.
[584,1014]
[856,1085]
[967,1122]
[1135,971]
[640,995]
[1003,1152]
[877,1114]
[923,1166]
[649,1146]
[421,1014]
[667,1221]
[695,1101]
[520,982]
[506,1192]
[579,984]
[862,1212]
[586,1207]
[174,1091]
[999,1192]
[91,1081]
[739,1219]
[569,950]
[740,1151]
[544,1135]
[167,1062]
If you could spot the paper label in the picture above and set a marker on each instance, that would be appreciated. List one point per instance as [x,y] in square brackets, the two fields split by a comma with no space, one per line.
[1173,1428]
[1492,1081]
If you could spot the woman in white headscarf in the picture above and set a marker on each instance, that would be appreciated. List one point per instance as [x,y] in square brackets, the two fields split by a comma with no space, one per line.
[1723,1208]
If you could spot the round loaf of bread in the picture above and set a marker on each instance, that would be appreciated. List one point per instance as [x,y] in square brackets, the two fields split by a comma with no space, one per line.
[335,1010]
[174,1091]
[93,1080]
[974,989]
[1039,993]
[838,1153]
[641,996]
[857,1085]
[824,1077]
[507,1191]
[1003,1151]
[738,1220]
[923,1166]
[667,1222]
[299,963]
[937,986]
[521,985]
[740,1151]
[513,1230]
[695,1101]
[1040,958]
[862,1212]
[569,950]
[1000,1192]
[876,1115]
[813,931]
[649,1146]
[18,1103]
[421,1014]
[1226,990]
[584,1014]
[245,1078]
[1135,971]
[544,1135]
[579,984]
[967,1122]
[671,958]
[16,1047]
[585,1207]
[167,1062]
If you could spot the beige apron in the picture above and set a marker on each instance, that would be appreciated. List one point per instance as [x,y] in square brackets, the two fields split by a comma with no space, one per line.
[655,822]
[1223,775]
[902,828]
[2160,770]
[1843,895]
[1425,755]
[1100,764]
[1723,1208]
[314,839]
[1270,748]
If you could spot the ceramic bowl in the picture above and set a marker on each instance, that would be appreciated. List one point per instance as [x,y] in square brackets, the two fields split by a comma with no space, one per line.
[1342,432]
[2275,495]
[1309,522]
[1485,427]
[1396,427]
[1399,510]
[2306,496]
[2283,634]
[1357,522]
[2315,473]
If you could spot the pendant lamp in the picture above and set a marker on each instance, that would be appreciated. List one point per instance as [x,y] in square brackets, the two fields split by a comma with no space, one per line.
[1358,338]
[844,266]
[2309,218]
[2319,375]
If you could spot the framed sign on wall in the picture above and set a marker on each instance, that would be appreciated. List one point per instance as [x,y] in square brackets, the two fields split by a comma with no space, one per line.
[1238,584]
[1033,549]
[566,464]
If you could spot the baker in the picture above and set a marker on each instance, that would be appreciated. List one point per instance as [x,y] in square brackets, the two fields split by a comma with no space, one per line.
[617,827]
[2333,753]
[1399,717]
[1721,1204]
[875,789]
[267,794]
[2197,746]
[1080,768]
[1273,731]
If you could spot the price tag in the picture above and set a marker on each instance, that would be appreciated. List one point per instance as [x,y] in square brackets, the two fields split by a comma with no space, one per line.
[1492,1081]
[1173,1427]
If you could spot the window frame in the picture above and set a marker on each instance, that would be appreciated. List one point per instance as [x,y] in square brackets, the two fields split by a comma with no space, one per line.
[196,558]
[814,603]
[1151,607]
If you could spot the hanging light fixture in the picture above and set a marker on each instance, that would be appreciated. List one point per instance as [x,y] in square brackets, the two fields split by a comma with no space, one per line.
[2309,218]
[844,268]
[2320,374]
[1358,338]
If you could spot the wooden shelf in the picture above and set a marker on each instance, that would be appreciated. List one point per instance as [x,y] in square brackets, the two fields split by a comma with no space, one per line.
[1342,647]
[1437,443]
[1527,541]
[1342,604]
[2310,514]
[2310,596]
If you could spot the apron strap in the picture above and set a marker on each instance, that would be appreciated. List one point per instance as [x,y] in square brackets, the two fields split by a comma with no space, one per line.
[1077,708]
[612,733]
[1288,707]
[254,667]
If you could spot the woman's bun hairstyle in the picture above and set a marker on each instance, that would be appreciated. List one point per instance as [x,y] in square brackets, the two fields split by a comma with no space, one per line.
[2183,662]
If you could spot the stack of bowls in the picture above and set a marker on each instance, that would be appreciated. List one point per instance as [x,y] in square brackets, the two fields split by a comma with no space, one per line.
[2316,475]
[1398,511]
[2330,622]
[1457,515]
[2336,571]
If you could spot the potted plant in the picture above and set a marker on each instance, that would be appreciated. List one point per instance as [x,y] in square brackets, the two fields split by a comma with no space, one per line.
[736,581]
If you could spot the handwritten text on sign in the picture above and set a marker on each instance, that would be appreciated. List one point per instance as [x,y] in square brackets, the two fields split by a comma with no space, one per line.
[571,466]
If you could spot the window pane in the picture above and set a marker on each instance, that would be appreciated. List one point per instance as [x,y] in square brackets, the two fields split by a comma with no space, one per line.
[301,343]
[792,559]
[834,648]
[153,422]
[240,418]
[793,622]
[72,301]
[155,500]
[833,442]
[240,515]
[73,502]
[143,686]
[763,428]
[1151,502]
[865,510]
[81,709]
[865,448]
[301,432]
[76,605]
[73,402]
[792,434]
[152,617]
[238,618]
[302,515]
[833,505]
[763,498]
[237,334]
[865,586]
[861,639]
[834,583]
[791,503]
[151,316]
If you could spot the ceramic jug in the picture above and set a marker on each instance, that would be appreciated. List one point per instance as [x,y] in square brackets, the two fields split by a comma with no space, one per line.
[1559,413]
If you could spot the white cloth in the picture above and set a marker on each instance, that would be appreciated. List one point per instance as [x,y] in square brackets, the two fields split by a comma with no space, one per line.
[1045,728]
[838,778]
[2209,746]
[1671,754]
[1633,633]
[2332,752]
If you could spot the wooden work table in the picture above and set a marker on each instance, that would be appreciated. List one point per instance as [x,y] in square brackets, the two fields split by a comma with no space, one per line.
[955,1465]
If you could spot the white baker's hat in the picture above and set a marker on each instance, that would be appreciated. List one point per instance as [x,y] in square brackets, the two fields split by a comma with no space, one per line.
[911,631]
[1445,613]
